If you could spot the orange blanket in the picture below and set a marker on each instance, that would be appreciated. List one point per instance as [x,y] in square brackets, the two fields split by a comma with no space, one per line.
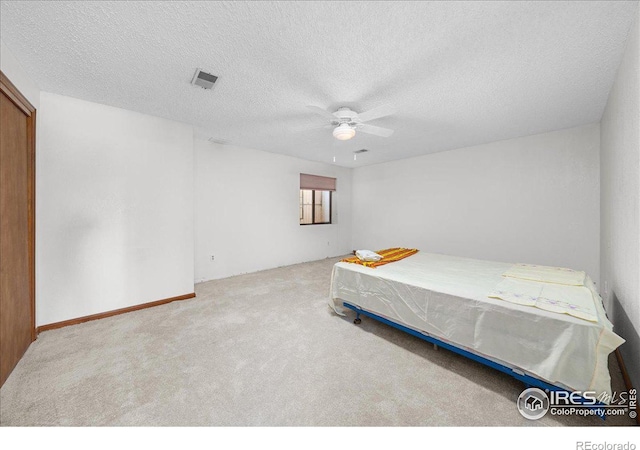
[389,255]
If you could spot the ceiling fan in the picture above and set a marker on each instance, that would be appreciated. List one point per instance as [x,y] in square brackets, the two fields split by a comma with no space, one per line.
[347,121]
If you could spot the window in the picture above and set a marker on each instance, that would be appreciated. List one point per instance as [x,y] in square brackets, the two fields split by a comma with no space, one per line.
[315,206]
[315,199]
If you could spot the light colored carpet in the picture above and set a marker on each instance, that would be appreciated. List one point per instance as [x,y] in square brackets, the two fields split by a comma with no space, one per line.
[256,349]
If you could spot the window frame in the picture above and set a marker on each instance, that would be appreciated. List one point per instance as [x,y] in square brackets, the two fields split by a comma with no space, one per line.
[313,207]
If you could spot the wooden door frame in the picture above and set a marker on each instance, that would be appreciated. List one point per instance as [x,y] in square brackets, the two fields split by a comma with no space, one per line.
[16,97]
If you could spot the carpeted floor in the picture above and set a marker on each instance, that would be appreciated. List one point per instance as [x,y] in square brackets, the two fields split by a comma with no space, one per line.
[257,349]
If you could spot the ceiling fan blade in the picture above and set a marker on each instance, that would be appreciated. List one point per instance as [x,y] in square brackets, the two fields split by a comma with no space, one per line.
[372,129]
[376,113]
[324,113]
[317,127]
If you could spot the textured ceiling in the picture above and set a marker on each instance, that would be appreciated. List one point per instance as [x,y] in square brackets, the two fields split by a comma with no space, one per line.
[460,73]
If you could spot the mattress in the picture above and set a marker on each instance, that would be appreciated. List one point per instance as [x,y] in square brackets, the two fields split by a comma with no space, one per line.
[446,297]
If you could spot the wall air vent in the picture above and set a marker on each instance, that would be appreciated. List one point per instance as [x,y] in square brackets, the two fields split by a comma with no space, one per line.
[203,79]
[362,150]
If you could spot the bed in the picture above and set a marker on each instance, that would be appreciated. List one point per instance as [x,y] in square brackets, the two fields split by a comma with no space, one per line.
[444,299]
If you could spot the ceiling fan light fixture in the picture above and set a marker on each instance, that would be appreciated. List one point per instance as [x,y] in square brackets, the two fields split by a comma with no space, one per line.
[344,132]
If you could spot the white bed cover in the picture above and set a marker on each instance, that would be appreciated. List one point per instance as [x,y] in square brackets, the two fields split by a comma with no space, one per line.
[446,297]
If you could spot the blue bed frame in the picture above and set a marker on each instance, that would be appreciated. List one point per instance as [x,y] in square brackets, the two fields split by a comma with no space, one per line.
[528,380]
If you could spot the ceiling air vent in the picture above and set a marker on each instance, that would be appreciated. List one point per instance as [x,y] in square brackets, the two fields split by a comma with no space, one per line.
[203,79]
[357,152]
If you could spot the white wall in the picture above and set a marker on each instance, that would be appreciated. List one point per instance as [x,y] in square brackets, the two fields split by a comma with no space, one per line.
[114,224]
[620,202]
[247,211]
[14,71]
[533,199]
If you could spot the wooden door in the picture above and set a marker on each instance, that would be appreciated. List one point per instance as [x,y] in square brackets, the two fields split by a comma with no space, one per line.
[17,243]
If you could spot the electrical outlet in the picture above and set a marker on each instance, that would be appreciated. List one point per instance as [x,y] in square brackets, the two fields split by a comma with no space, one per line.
[213,257]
